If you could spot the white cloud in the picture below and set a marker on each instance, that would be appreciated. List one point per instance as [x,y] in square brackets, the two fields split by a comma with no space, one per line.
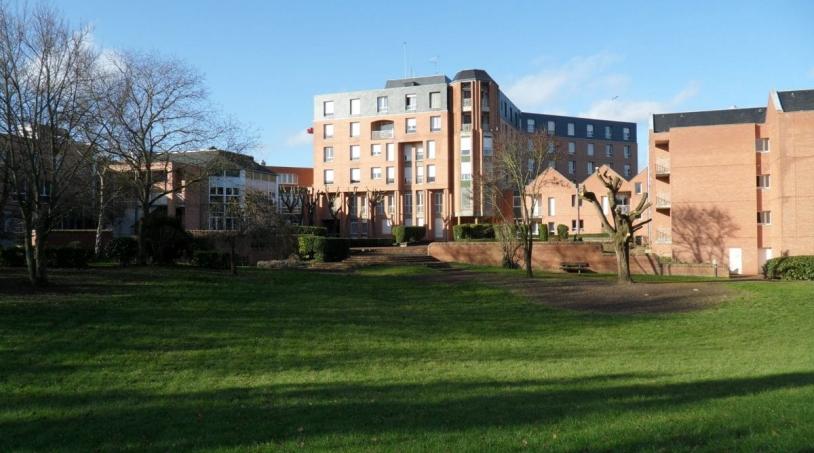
[536,91]
[638,111]
[301,138]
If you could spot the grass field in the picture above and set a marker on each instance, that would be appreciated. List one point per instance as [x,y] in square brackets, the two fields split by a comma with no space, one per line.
[181,359]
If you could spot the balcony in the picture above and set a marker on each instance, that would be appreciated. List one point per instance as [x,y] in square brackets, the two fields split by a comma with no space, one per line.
[381,135]
[662,202]
[466,128]
[663,236]
[466,104]
[662,169]
[484,104]
[380,130]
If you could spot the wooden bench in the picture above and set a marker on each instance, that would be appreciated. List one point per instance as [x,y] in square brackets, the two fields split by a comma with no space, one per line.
[574,267]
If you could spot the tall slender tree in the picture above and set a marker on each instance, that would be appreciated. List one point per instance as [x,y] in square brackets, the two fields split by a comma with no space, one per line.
[46,67]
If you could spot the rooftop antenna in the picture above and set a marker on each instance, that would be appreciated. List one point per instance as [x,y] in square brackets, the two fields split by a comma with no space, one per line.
[404,48]
[434,61]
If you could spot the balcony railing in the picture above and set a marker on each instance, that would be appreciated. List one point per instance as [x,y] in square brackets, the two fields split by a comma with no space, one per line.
[623,208]
[663,236]
[467,103]
[662,168]
[467,127]
[379,135]
[662,202]
[484,104]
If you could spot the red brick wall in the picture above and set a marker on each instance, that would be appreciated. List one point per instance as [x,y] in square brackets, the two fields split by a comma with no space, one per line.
[548,256]
[60,238]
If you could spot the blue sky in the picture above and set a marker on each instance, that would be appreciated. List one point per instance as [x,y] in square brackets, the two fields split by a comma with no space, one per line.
[264,61]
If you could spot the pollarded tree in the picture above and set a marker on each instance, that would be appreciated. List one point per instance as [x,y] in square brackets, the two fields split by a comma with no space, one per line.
[623,223]
[375,198]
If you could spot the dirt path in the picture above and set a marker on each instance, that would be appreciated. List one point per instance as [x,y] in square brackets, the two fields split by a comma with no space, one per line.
[597,295]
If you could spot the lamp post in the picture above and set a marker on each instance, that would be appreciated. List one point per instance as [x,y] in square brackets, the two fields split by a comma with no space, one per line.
[579,203]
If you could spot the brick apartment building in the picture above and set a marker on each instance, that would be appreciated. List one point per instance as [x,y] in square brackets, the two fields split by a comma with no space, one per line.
[423,141]
[218,177]
[735,186]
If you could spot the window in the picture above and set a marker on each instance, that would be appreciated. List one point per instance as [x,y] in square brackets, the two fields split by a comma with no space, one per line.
[637,188]
[419,152]
[382,104]
[391,205]
[419,204]
[435,100]
[391,152]
[609,150]
[552,206]
[589,167]
[605,205]
[435,123]
[419,174]
[551,164]
[437,203]
[355,154]
[570,129]
[466,198]
[762,145]
[589,131]
[391,175]
[355,129]
[431,149]
[575,199]
[466,171]
[375,149]
[411,125]
[590,149]
[355,175]
[328,130]
[625,133]
[551,148]
[410,103]
[355,106]
[572,148]
[574,225]
[516,204]
[627,151]
[408,175]
[408,153]
[376,173]
[487,146]
[466,146]
[551,126]
[328,108]
[531,165]
[764,181]
[328,154]
[430,173]
[328,176]
[572,167]
[530,125]
[608,133]
[764,217]
[408,204]
[627,171]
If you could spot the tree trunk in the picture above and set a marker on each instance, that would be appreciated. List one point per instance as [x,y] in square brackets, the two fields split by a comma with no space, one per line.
[30,259]
[97,245]
[622,261]
[232,263]
[142,244]
[528,244]
[41,262]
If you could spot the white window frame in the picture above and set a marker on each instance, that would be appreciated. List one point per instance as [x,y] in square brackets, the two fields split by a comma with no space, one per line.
[325,174]
[764,178]
[355,107]
[589,130]
[355,129]
[407,123]
[764,217]
[410,103]
[376,149]
[328,131]
[431,173]
[430,149]
[326,111]
[382,107]
[355,152]
[390,149]
[328,154]
[376,173]
[355,172]
[437,95]
[571,129]
[435,123]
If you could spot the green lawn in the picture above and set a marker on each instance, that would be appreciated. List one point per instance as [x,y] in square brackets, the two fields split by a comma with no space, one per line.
[179,359]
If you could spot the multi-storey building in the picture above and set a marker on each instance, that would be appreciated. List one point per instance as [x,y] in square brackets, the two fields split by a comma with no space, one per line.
[196,186]
[290,181]
[423,143]
[734,186]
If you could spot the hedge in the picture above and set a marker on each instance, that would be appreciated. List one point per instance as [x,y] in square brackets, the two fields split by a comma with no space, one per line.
[68,257]
[12,257]
[562,231]
[123,249]
[322,248]
[314,230]
[210,259]
[543,236]
[790,268]
[467,231]
[404,234]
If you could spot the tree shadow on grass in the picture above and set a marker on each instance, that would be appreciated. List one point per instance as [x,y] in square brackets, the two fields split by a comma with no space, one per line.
[336,412]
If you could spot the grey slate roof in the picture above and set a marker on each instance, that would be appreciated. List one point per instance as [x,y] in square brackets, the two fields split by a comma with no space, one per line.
[221,158]
[477,74]
[413,81]
[795,101]
[664,121]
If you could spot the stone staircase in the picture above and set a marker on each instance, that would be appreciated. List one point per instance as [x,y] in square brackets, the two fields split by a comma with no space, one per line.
[414,255]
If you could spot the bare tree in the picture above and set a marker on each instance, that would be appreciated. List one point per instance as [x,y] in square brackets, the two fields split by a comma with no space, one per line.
[46,67]
[253,219]
[624,223]
[110,188]
[511,185]
[308,200]
[291,199]
[334,204]
[150,109]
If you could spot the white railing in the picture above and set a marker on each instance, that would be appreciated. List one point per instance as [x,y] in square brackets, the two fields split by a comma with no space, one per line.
[623,208]
[466,127]
[662,168]
[378,135]
[663,236]
[467,103]
[662,202]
